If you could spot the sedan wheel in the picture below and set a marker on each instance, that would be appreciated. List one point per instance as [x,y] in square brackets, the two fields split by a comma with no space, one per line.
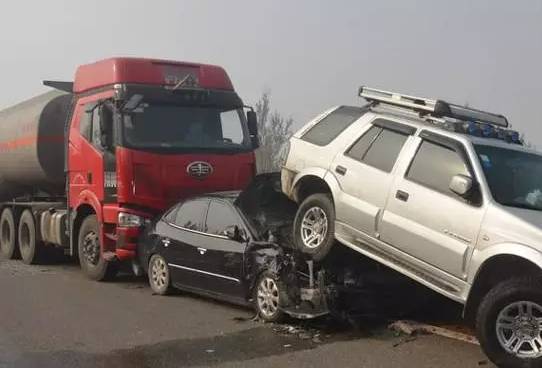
[267,298]
[159,279]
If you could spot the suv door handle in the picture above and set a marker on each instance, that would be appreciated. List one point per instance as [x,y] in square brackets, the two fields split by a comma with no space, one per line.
[402,196]
[202,250]
[341,170]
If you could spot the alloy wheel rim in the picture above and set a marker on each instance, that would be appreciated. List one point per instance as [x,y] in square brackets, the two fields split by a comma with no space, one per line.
[159,273]
[314,227]
[268,297]
[91,248]
[519,328]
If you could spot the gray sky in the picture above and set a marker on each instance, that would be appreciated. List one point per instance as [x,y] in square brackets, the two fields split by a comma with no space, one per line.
[311,54]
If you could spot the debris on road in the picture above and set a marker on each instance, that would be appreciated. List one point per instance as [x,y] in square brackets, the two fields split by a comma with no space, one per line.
[414,328]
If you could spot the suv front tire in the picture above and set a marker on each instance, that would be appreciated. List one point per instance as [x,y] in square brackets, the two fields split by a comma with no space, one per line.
[509,323]
[314,226]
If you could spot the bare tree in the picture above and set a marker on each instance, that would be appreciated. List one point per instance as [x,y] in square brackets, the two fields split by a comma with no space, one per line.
[274,131]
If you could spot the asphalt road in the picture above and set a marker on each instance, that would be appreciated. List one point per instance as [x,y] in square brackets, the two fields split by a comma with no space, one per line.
[51,316]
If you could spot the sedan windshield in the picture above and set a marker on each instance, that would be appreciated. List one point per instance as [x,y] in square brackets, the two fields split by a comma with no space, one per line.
[160,126]
[514,177]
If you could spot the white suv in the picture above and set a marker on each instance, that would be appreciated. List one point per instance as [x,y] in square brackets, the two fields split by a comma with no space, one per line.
[441,193]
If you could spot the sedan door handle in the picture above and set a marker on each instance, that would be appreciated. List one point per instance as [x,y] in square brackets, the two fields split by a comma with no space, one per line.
[202,250]
[341,170]
[402,196]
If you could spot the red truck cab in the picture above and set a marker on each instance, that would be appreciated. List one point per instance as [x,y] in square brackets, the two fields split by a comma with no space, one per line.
[144,134]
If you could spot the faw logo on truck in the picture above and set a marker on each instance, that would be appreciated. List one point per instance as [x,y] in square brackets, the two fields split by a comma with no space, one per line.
[199,169]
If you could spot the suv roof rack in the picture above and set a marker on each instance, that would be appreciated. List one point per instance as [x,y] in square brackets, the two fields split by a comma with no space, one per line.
[436,108]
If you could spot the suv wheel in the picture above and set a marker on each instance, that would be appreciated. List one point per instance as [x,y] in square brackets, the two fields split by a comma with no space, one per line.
[509,323]
[314,226]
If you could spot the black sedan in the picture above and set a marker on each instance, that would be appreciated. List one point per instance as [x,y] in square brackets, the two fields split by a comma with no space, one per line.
[233,246]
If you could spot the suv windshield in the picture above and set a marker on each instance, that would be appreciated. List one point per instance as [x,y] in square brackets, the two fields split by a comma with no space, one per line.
[514,177]
[161,126]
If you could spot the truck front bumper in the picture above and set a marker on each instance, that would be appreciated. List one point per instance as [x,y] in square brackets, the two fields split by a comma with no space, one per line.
[127,242]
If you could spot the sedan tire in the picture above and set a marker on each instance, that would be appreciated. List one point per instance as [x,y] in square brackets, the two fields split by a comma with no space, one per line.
[314,226]
[268,295]
[159,276]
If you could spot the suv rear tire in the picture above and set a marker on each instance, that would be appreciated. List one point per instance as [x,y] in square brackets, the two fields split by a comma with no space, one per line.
[314,226]
[511,311]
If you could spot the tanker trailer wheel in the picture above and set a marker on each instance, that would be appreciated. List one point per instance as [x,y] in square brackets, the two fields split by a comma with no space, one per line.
[8,235]
[29,245]
[90,255]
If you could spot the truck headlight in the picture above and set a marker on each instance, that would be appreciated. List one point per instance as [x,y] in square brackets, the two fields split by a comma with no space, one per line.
[130,220]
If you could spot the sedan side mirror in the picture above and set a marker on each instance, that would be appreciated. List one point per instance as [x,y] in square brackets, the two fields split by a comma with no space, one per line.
[461,185]
[233,232]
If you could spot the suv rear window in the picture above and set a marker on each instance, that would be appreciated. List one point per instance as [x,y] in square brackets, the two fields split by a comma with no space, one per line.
[332,125]
[378,147]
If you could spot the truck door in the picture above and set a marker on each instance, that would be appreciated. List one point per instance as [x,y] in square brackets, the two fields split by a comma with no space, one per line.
[424,218]
[365,174]
[87,149]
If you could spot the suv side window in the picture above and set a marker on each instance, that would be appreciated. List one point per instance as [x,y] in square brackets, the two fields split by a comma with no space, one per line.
[219,217]
[378,147]
[190,215]
[434,166]
[332,125]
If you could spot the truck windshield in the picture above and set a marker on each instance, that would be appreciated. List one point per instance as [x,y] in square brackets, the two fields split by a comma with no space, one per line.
[514,177]
[161,126]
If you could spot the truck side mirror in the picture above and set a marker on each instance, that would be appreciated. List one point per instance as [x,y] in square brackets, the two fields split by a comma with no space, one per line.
[461,185]
[252,122]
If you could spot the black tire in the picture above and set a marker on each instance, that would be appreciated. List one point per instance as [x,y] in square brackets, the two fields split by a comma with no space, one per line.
[8,235]
[159,275]
[30,246]
[94,266]
[268,304]
[497,300]
[316,202]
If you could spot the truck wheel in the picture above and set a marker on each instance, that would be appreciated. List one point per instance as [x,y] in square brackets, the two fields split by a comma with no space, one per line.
[159,278]
[268,297]
[8,235]
[509,323]
[94,266]
[314,226]
[29,246]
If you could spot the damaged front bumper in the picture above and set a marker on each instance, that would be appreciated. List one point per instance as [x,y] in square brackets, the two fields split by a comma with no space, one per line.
[311,300]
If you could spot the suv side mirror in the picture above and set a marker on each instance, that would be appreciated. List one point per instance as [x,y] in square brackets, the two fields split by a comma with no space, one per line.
[233,232]
[252,122]
[461,185]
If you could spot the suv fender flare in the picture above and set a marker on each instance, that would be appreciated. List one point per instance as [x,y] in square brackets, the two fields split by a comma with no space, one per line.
[479,257]
[320,173]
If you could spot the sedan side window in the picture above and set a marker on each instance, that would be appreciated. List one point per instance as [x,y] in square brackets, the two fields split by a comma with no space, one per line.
[219,217]
[435,165]
[190,215]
